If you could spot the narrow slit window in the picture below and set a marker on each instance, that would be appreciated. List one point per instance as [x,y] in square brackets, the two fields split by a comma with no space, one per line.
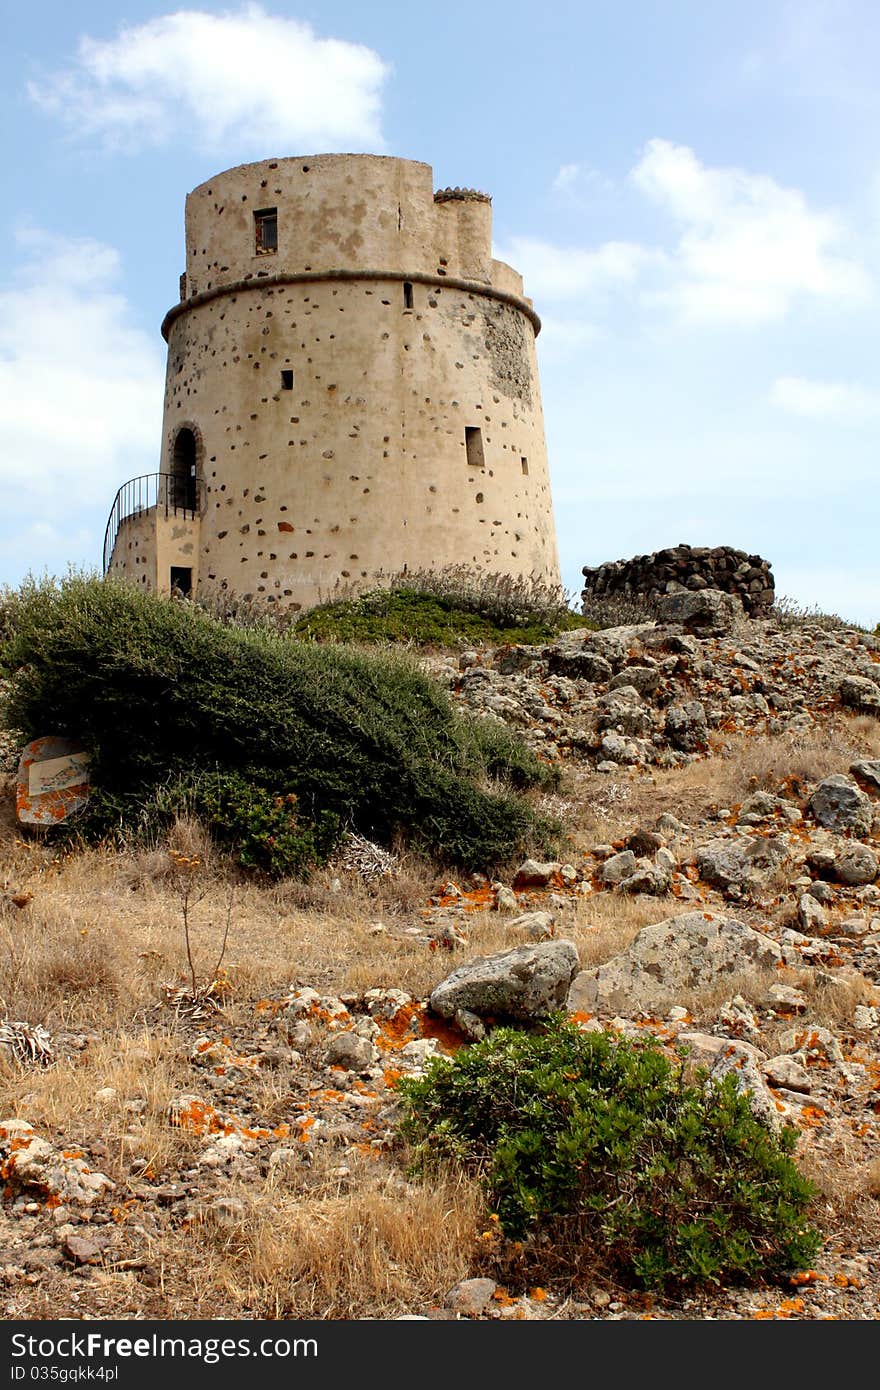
[473,443]
[266,231]
[525,466]
[286,378]
[407,295]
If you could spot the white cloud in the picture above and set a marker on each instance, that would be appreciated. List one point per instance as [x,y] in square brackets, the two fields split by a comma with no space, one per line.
[244,81]
[579,181]
[80,394]
[839,401]
[566,177]
[748,247]
[561,272]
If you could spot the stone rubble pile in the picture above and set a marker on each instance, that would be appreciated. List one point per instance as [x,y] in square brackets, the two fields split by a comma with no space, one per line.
[658,694]
[688,567]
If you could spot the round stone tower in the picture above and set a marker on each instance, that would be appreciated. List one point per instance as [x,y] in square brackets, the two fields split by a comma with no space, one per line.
[352,390]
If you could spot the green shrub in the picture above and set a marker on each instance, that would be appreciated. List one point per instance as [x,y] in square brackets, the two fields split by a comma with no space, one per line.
[445,607]
[264,828]
[160,693]
[603,1146]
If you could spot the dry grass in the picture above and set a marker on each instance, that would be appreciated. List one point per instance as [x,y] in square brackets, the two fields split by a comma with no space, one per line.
[742,764]
[367,1244]
[607,924]
[344,1235]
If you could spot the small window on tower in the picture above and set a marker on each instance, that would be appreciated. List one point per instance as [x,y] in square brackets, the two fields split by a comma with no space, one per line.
[181,581]
[407,295]
[287,378]
[266,231]
[525,465]
[473,443]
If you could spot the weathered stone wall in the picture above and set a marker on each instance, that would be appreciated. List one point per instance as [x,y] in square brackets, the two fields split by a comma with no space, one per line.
[365,397]
[685,567]
[150,543]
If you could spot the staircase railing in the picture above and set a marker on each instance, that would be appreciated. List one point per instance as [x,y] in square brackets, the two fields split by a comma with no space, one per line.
[177,495]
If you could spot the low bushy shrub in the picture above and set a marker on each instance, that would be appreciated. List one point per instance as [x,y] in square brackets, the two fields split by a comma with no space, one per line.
[450,606]
[162,694]
[602,1147]
[265,829]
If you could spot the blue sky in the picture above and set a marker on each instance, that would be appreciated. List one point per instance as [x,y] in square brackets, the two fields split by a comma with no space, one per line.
[690,188]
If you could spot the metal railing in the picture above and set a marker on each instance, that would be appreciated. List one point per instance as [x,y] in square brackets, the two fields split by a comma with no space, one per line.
[179,496]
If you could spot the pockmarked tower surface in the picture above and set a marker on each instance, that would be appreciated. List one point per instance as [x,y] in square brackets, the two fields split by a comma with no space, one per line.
[352,389]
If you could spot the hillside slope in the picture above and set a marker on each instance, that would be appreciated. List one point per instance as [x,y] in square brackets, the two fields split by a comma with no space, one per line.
[230,1150]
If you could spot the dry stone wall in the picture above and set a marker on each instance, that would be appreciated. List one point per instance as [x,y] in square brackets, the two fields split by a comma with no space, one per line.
[685,567]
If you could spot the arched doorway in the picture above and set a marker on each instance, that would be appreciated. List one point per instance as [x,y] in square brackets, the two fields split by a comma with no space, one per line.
[183,472]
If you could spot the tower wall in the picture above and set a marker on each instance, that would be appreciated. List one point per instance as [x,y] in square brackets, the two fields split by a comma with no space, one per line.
[366,396]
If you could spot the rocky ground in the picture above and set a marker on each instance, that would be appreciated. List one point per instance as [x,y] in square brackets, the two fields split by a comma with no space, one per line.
[721,888]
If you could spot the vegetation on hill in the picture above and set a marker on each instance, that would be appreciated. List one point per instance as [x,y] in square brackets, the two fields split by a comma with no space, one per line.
[272,739]
[600,1149]
[448,607]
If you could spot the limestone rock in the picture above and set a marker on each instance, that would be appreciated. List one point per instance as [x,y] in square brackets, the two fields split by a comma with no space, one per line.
[349,1050]
[471,1297]
[645,679]
[583,665]
[763,806]
[687,953]
[33,1165]
[646,878]
[749,1082]
[618,867]
[707,610]
[524,983]
[728,863]
[708,1047]
[531,874]
[614,748]
[867,770]
[687,727]
[536,925]
[856,865]
[860,693]
[785,999]
[839,804]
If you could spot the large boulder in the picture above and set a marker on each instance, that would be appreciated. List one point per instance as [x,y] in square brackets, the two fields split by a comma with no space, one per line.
[856,864]
[736,864]
[687,727]
[860,693]
[670,959]
[707,610]
[867,770]
[584,665]
[839,804]
[524,983]
[624,711]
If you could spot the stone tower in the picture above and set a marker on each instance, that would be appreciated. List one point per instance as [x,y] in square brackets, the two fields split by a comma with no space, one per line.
[352,389]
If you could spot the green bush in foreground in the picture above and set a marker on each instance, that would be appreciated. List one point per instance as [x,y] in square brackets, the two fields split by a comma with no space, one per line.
[604,1147]
[164,696]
